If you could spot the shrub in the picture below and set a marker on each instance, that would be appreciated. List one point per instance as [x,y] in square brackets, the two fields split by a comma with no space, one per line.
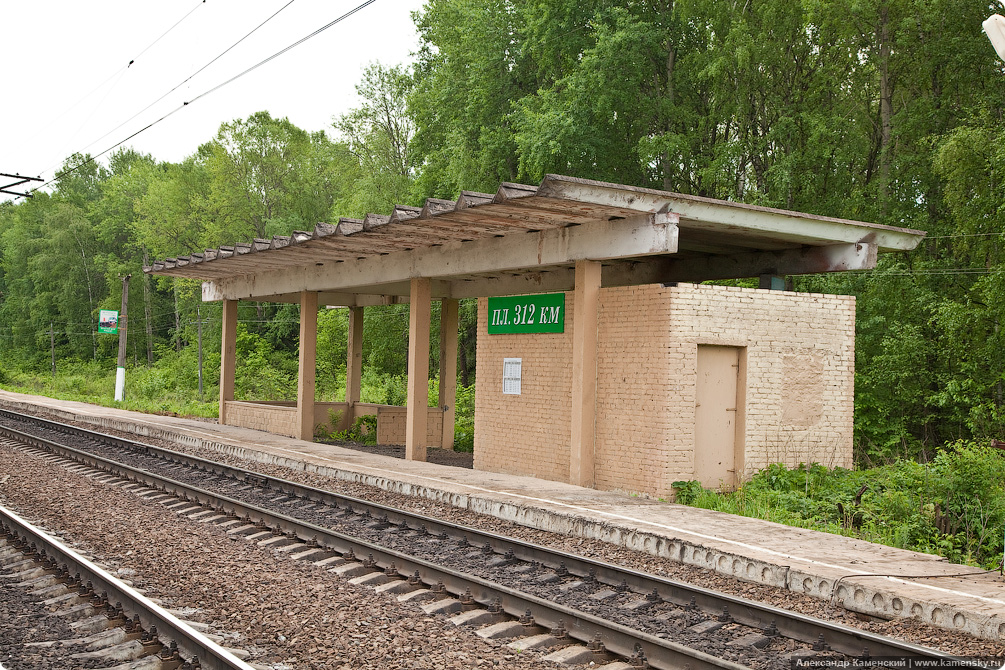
[954,506]
[464,419]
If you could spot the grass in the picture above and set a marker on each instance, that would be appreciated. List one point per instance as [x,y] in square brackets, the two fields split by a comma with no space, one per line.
[147,390]
[171,387]
[953,507]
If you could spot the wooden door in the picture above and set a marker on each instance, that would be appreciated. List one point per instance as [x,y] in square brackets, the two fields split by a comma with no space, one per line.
[715,416]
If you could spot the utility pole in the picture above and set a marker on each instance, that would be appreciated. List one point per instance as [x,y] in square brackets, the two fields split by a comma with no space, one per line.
[19,180]
[120,372]
[52,349]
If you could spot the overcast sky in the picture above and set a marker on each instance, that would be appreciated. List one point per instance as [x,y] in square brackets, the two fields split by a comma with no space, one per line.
[68,88]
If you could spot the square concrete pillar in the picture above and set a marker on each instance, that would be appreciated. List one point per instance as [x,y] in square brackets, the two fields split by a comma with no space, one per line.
[228,356]
[354,357]
[448,368]
[308,363]
[586,300]
[417,402]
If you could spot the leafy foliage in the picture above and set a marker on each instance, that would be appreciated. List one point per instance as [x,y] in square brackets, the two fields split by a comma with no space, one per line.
[887,111]
[261,181]
[953,506]
[378,137]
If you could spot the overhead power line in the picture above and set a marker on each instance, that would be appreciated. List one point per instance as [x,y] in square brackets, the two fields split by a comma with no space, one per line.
[191,76]
[284,50]
[118,73]
[212,90]
[177,23]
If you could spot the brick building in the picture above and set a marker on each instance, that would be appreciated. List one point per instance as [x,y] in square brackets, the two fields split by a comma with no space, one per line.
[692,382]
[650,379]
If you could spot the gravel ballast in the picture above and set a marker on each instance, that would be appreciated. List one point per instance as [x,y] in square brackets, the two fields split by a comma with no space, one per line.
[906,629]
[286,613]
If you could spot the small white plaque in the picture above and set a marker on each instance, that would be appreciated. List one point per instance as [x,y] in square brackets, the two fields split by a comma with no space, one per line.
[511,375]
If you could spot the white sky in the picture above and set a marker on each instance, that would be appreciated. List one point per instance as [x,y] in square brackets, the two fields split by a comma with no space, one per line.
[56,54]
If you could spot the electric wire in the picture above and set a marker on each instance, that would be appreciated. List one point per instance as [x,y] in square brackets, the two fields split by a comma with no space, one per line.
[284,50]
[943,237]
[177,23]
[90,116]
[190,77]
[91,159]
[118,73]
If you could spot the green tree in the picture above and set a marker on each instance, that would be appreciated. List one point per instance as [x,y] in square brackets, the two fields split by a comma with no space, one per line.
[259,180]
[467,74]
[377,135]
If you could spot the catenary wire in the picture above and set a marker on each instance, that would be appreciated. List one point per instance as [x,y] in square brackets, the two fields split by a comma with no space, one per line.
[190,77]
[205,93]
[284,50]
[118,73]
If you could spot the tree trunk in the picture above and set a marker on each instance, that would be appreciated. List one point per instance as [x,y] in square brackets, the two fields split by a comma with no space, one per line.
[177,321]
[463,351]
[885,108]
[671,61]
[148,312]
[90,297]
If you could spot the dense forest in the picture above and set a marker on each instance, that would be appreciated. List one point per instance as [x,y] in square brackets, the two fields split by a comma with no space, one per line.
[887,111]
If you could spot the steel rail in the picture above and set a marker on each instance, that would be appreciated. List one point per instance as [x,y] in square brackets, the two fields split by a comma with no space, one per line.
[191,643]
[581,626]
[843,639]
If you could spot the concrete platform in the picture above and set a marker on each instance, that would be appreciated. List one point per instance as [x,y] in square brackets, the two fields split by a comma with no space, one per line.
[864,577]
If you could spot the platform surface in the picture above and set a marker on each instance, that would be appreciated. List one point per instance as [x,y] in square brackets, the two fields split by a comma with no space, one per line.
[863,576]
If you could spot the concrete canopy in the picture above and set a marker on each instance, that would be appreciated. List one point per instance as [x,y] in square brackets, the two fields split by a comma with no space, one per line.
[566,234]
[527,239]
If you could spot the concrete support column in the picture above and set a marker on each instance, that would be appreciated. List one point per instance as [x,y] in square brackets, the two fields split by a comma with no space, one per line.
[308,363]
[228,356]
[354,357]
[417,403]
[448,368]
[586,300]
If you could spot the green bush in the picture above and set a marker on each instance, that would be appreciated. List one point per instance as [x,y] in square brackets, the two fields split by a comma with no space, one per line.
[167,387]
[364,429]
[464,419]
[383,388]
[953,507]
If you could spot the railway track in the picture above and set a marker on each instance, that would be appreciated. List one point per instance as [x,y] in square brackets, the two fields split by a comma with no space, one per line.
[107,622]
[589,610]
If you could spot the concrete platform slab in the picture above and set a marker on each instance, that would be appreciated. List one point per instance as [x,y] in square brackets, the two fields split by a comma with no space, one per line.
[863,577]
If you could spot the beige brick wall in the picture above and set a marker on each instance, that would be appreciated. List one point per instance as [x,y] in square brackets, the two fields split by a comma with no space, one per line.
[639,433]
[280,417]
[797,378]
[525,434]
[391,425]
[272,417]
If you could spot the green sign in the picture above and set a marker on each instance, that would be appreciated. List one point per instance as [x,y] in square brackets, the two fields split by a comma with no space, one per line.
[108,321]
[541,313]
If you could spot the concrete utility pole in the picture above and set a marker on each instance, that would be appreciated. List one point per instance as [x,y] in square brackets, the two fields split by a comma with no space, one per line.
[994,27]
[52,348]
[120,372]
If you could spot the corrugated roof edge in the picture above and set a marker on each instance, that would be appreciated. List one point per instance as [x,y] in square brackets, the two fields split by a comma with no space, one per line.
[552,186]
[548,189]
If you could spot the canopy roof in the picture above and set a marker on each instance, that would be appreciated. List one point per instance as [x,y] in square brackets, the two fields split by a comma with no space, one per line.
[527,239]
